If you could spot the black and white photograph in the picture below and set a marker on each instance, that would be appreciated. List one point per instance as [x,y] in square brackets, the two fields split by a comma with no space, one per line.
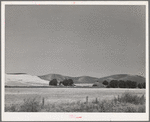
[75,60]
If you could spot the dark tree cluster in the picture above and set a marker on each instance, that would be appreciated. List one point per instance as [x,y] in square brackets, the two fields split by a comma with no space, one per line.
[123,84]
[142,85]
[67,82]
[53,82]
[113,84]
[94,84]
[105,82]
[131,84]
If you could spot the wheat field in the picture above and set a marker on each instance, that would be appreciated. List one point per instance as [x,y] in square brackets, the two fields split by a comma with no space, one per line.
[64,95]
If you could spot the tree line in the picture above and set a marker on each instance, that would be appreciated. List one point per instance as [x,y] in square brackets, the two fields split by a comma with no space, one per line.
[66,82]
[111,84]
[123,84]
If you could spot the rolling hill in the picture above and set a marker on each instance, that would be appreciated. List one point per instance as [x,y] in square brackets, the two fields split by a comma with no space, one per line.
[82,79]
[49,77]
[91,80]
[24,80]
[124,77]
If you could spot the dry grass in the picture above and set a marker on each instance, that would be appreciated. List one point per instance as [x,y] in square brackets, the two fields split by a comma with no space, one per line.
[124,103]
[130,98]
[53,95]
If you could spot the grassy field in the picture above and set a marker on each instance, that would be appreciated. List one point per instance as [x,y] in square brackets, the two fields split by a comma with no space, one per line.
[126,101]
[64,95]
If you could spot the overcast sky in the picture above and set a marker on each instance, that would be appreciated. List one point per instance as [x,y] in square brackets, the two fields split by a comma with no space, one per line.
[75,40]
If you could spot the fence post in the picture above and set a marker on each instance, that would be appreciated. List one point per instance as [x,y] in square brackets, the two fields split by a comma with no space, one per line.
[43,101]
[96,100]
[118,98]
[86,99]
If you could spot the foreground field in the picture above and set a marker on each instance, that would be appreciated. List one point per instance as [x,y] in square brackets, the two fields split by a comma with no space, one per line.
[63,95]
[127,102]
[74,100]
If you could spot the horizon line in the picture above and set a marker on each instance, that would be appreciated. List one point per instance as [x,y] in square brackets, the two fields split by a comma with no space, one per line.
[76,76]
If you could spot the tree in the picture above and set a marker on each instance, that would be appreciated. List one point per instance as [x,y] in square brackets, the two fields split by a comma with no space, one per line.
[122,84]
[140,85]
[94,84]
[53,82]
[68,82]
[61,82]
[128,84]
[113,84]
[131,84]
[144,85]
[65,82]
[105,82]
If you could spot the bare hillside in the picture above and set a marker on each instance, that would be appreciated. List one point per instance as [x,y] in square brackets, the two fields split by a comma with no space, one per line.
[81,79]
[24,80]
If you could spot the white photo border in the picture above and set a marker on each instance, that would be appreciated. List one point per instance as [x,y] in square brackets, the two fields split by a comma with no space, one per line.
[50,116]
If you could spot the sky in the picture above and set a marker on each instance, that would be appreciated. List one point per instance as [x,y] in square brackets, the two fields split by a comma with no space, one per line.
[75,40]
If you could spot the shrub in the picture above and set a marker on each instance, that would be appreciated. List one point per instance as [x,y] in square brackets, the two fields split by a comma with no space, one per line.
[94,84]
[30,105]
[130,109]
[141,108]
[11,108]
[129,98]
[108,86]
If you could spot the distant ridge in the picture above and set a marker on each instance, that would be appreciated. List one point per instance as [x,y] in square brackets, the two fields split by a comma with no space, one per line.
[16,73]
[81,79]
[124,77]
[88,79]
[24,79]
